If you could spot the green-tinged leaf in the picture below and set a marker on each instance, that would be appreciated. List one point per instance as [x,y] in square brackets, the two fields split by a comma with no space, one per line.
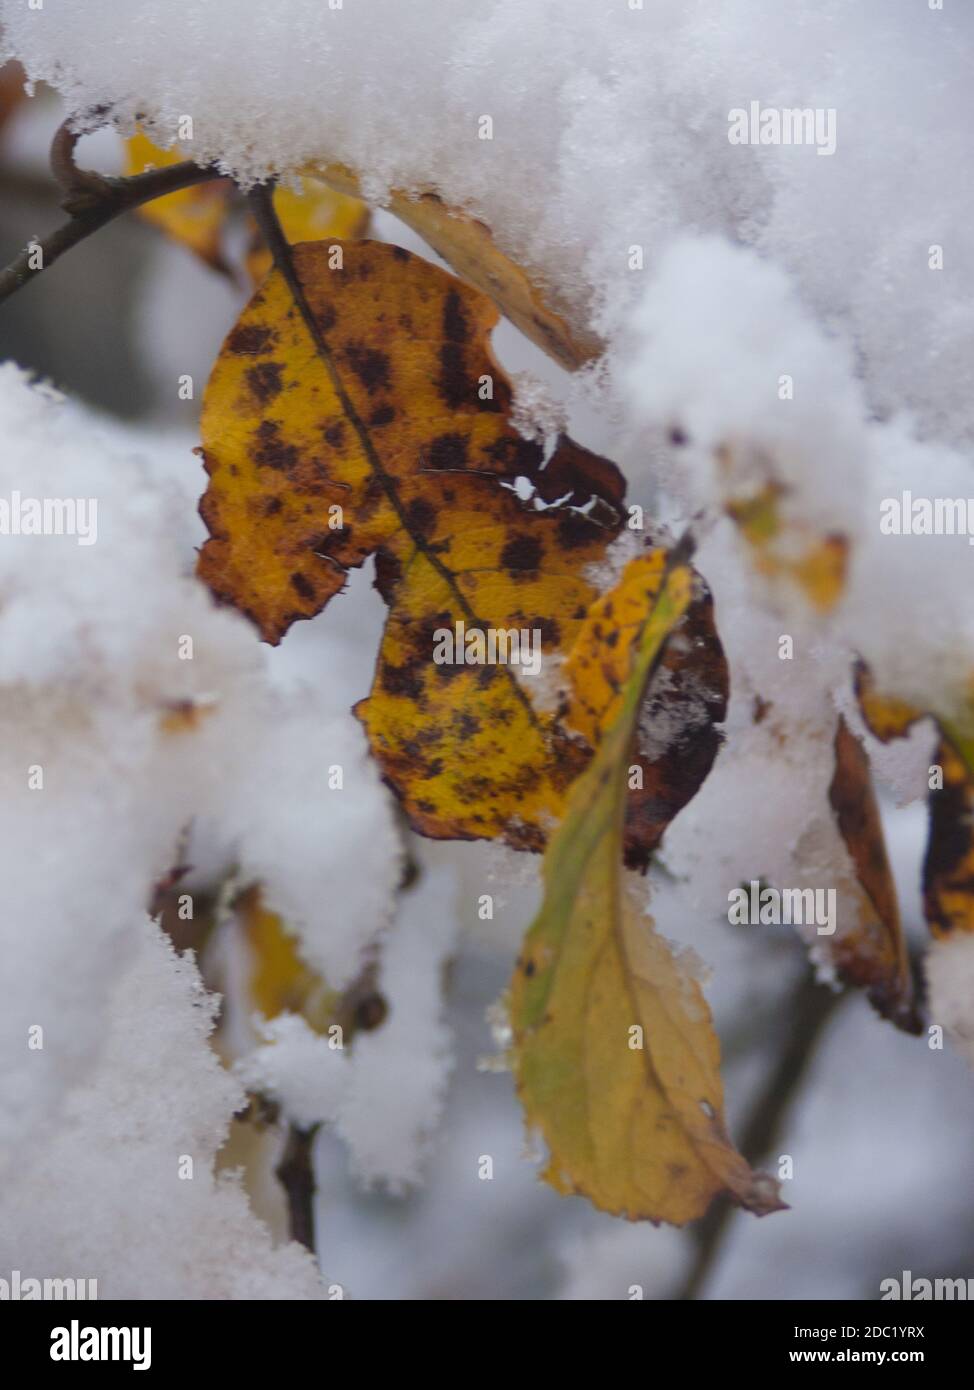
[615,1056]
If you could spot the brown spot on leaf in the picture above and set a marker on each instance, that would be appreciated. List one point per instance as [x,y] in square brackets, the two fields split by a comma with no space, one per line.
[264,379]
[522,553]
[250,338]
[370,365]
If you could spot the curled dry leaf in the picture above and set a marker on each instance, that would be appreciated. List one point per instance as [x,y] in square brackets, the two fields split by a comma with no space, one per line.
[872,955]
[468,247]
[359,411]
[616,1060]
[948,866]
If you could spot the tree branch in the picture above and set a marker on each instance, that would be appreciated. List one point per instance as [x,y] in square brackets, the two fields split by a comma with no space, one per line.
[93,201]
[295,1173]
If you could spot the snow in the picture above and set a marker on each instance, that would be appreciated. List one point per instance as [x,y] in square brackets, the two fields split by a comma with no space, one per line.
[398,1073]
[950,979]
[112,745]
[712,272]
[610,129]
[298,1068]
[122,1189]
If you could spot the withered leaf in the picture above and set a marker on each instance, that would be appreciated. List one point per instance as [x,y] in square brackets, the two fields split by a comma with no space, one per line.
[948,866]
[468,247]
[872,955]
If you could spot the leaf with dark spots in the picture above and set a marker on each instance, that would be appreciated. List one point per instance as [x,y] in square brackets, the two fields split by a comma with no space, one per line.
[525,752]
[324,340]
[451,545]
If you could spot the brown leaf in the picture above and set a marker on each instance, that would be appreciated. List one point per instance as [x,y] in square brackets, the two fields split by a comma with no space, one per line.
[873,955]
[468,247]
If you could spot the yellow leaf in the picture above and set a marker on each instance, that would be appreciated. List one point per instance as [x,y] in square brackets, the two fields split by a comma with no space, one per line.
[373,435]
[193,216]
[816,564]
[280,981]
[316,213]
[616,1060]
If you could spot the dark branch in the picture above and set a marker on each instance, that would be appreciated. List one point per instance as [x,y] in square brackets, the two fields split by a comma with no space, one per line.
[295,1173]
[93,201]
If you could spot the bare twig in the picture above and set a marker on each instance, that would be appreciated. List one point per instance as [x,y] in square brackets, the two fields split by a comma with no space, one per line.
[295,1173]
[92,201]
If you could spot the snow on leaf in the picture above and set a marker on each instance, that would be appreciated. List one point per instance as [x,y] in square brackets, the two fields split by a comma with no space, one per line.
[616,1060]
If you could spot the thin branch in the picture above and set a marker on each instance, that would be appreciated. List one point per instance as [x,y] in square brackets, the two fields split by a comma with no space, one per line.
[295,1173]
[810,1008]
[93,201]
[65,170]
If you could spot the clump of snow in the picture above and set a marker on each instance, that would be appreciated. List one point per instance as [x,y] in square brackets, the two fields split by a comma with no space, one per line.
[300,1069]
[712,346]
[608,132]
[122,1188]
[131,707]
[326,852]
